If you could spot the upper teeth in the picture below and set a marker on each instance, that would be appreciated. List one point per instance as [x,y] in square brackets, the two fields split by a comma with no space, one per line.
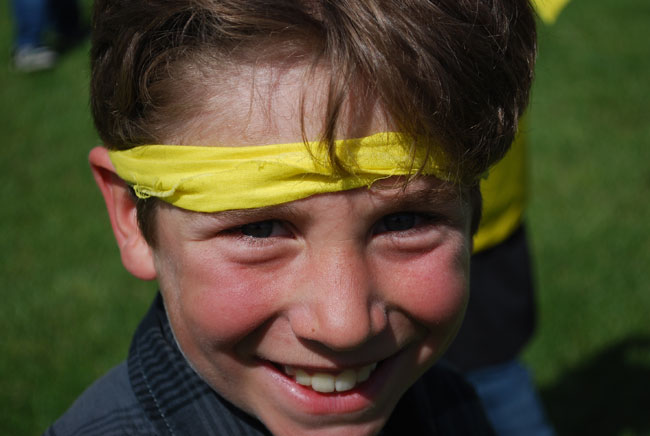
[324,382]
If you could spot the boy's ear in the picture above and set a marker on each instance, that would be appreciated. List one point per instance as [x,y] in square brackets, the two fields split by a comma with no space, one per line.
[136,254]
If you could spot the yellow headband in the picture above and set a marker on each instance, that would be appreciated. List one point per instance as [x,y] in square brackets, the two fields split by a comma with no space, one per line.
[214,179]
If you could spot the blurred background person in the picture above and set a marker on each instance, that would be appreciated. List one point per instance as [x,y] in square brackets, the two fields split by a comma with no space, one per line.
[33,51]
[501,314]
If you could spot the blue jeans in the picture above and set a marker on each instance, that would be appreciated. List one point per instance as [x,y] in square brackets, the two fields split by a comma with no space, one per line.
[510,400]
[30,21]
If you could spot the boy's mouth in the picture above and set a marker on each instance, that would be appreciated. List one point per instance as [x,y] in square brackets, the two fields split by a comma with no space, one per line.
[327,382]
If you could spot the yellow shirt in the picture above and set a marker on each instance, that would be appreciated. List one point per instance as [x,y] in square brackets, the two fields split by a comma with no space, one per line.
[504,195]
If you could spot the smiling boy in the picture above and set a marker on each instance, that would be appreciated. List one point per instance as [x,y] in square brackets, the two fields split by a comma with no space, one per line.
[309,215]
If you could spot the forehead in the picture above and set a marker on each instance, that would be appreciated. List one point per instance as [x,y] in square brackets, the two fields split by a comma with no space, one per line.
[277,103]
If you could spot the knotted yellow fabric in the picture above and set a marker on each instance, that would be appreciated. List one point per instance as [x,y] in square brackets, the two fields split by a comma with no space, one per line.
[214,179]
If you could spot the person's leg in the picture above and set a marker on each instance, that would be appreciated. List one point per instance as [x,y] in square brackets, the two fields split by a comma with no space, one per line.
[510,400]
[30,21]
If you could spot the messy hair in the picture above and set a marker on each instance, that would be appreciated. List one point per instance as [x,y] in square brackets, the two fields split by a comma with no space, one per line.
[454,72]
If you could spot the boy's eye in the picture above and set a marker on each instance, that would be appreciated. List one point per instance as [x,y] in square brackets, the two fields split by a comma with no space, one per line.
[263,229]
[399,222]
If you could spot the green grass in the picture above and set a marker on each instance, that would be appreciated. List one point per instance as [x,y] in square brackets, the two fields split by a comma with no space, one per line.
[589,216]
[68,308]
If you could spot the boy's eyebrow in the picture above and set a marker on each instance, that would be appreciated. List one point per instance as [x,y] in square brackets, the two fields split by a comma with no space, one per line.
[255,214]
[438,196]
[412,198]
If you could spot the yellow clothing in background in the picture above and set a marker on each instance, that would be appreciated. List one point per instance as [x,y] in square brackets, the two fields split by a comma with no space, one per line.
[504,195]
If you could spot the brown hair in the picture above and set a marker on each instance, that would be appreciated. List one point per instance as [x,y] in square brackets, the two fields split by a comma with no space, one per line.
[455,71]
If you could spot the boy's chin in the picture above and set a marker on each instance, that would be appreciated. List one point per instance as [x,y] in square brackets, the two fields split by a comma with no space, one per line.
[325,426]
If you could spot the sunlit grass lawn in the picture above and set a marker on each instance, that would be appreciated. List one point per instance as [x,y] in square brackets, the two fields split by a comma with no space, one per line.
[590,218]
[68,309]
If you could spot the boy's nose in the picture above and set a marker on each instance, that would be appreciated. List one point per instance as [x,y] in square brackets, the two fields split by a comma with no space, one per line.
[339,306]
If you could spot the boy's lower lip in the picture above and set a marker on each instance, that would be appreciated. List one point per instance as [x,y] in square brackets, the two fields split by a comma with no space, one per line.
[309,401]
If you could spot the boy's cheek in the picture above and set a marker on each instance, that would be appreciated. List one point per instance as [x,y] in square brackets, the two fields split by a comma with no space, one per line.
[224,305]
[432,288]
[433,292]
[440,312]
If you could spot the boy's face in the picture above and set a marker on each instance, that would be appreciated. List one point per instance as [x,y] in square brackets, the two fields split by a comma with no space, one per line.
[265,302]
